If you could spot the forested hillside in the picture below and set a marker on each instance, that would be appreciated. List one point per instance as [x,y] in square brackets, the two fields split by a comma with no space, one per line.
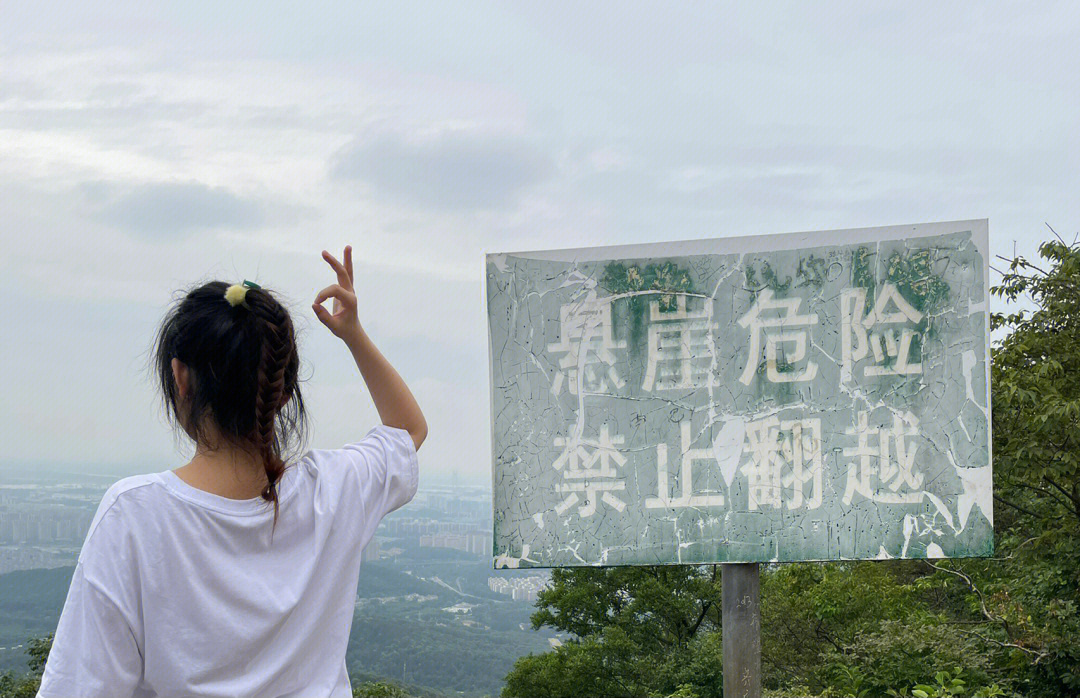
[30,604]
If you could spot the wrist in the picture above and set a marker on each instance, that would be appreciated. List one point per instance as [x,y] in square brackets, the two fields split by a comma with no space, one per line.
[354,337]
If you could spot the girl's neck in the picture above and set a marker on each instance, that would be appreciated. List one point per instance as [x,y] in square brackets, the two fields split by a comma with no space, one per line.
[227,472]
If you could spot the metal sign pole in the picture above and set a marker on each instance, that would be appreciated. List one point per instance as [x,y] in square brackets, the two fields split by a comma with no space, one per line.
[741,623]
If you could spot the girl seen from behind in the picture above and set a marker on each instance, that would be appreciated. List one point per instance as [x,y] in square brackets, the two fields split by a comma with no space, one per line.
[236,574]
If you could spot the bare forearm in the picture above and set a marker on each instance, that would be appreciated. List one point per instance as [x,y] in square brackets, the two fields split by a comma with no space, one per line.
[396,405]
[394,401]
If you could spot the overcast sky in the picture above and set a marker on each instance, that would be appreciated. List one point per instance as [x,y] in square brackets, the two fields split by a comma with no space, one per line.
[144,147]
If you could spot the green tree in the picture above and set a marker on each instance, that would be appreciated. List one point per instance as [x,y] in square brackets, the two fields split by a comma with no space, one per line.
[1028,599]
[813,614]
[635,631]
[26,686]
[379,689]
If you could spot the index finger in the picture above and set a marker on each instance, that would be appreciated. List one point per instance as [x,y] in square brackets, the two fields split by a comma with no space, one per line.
[343,276]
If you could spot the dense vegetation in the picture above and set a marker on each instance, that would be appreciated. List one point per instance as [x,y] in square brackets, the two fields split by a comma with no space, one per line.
[1009,625]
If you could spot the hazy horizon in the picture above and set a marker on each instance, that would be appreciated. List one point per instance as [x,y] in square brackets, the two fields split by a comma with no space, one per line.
[145,147]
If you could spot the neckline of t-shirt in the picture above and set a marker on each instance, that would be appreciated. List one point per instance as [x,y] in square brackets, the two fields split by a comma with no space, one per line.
[225,505]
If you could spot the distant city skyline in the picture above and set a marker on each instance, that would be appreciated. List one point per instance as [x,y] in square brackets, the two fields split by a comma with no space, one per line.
[148,146]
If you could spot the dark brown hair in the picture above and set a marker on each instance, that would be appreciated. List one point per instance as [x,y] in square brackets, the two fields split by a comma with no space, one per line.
[243,373]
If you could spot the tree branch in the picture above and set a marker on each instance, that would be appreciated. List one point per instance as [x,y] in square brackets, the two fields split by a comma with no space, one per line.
[704,610]
[1039,656]
[1072,498]
[1018,507]
[1042,490]
[982,605]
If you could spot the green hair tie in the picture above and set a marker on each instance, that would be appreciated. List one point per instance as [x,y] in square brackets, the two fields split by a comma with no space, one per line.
[251,284]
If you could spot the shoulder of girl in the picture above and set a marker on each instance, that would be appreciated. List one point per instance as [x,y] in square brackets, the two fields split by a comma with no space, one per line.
[115,496]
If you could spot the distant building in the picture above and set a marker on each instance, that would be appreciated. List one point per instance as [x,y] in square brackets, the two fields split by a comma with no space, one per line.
[470,541]
[518,588]
[479,542]
[43,524]
[371,550]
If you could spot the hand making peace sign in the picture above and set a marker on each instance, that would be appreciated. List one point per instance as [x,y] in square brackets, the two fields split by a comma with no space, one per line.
[344,320]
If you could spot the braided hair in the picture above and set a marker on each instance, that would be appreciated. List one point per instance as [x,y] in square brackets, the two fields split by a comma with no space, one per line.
[243,370]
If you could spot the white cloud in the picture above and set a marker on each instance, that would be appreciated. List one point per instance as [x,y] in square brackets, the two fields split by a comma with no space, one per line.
[172,208]
[454,169]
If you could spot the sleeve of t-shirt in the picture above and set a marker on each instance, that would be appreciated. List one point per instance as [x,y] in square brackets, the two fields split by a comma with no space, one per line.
[94,651]
[385,461]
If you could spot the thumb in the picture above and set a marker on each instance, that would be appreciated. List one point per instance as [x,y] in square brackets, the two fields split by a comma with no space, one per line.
[322,313]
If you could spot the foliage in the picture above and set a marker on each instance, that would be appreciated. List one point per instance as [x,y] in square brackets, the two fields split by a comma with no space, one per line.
[948,683]
[809,609]
[26,686]
[379,689]
[637,631]
[901,652]
[1007,626]
[1031,600]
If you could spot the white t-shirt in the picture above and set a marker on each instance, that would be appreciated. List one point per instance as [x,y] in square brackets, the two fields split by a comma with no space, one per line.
[180,592]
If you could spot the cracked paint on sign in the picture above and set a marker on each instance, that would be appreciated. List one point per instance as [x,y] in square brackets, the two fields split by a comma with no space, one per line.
[815,396]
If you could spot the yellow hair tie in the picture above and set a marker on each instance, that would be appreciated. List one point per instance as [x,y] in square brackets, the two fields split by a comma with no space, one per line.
[236,294]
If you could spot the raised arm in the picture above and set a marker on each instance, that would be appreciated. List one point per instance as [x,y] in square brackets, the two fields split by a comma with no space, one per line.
[395,402]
